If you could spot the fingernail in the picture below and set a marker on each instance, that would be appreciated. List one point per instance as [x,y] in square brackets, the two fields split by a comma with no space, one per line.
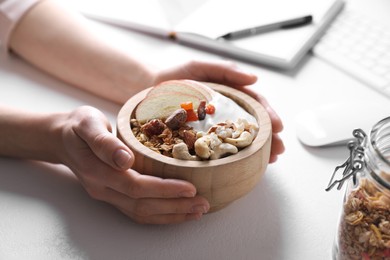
[187,194]
[195,216]
[122,158]
[199,209]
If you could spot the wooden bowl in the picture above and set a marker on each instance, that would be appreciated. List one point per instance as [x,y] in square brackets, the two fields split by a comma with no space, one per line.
[220,181]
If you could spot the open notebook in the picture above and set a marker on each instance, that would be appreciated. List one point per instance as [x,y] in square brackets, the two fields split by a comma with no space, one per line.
[199,23]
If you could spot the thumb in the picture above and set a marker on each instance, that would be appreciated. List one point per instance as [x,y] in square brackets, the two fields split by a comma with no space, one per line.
[95,132]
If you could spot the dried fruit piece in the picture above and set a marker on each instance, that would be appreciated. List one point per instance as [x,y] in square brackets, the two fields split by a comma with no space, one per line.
[191,116]
[187,105]
[202,110]
[153,127]
[210,109]
[177,119]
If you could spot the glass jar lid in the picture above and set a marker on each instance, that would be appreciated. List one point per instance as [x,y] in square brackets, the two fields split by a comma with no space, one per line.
[372,151]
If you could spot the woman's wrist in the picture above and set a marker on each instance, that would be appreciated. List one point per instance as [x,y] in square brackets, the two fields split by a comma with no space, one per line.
[131,78]
[29,135]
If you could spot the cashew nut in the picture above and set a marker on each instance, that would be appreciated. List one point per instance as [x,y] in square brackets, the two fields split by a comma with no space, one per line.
[200,134]
[180,151]
[239,128]
[205,144]
[253,129]
[244,140]
[224,132]
[223,149]
[202,148]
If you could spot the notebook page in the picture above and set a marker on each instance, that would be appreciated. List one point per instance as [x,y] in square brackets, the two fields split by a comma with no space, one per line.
[218,17]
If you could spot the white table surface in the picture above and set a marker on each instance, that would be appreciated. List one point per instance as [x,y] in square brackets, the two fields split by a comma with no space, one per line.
[46,214]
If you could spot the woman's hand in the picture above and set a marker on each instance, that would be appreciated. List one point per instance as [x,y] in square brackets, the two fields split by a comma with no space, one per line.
[102,164]
[226,73]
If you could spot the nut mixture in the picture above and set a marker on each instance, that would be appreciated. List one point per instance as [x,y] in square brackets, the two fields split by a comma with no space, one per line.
[174,138]
[364,231]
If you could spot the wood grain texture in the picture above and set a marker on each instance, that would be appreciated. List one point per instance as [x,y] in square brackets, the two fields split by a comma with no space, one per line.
[219,181]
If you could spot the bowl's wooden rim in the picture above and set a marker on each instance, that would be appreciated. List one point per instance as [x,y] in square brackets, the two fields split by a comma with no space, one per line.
[246,101]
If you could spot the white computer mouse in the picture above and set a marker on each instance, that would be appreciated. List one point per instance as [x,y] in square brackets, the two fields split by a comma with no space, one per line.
[333,124]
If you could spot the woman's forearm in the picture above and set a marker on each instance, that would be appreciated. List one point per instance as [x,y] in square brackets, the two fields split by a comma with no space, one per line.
[28,135]
[61,43]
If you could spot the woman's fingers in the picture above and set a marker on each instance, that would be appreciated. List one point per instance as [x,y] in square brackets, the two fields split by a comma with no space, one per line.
[146,199]
[136,185]
[277,125]
[277,146]
[159,211]
[96,174]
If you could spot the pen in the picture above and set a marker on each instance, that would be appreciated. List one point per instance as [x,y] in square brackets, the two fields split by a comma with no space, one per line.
[268,27]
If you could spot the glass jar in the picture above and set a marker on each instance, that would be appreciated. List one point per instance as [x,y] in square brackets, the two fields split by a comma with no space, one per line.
[364,225]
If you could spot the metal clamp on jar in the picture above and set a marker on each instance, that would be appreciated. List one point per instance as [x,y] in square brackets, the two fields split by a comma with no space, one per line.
[364,224]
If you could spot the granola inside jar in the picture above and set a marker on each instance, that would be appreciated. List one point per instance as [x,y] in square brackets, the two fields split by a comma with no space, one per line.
[364,225]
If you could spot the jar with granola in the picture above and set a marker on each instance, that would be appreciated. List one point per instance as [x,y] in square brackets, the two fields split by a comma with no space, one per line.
[364,225]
